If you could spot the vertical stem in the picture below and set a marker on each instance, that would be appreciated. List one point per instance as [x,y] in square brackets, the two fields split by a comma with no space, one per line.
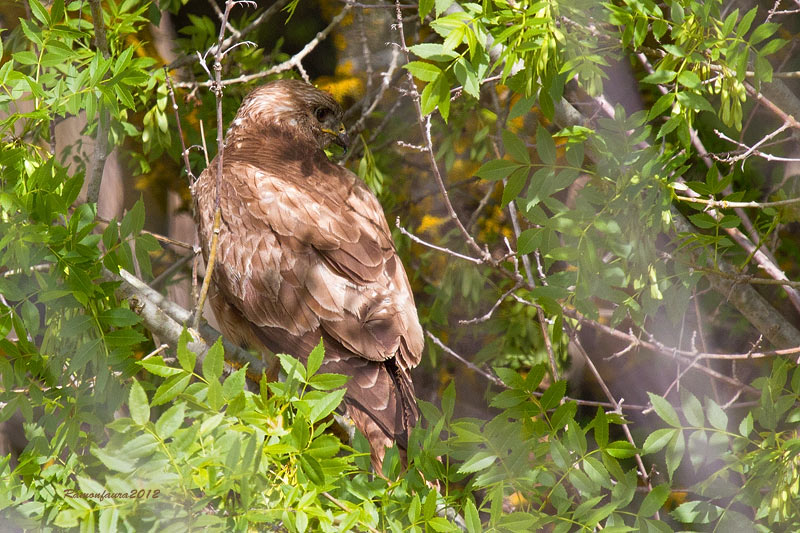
[212,254]
[94,173]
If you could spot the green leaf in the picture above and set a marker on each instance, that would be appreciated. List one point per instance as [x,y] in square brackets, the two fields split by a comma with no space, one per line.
[689,79]
[137,404]
[621,449]
[234,384]
[170,389]
[716,415]
[697,512]
[694,101]
[327,381]
[119,317]
[170,421]
[600,424]
[123,337]
[214,397]
[545,146]
[156,365]
[423,71]
[514,185]
[675,451]
[563,415]
[56,14]
[660,76]
[497,169]
[763,32]
[213,362]
[528,241]
[692,409]
[746,425]
[515,147]
[425,7]
[39,11]
[703,220]
[186,357]
[133,221]
[82,356]
[658,439]
[442,5]
[654,500]
[432,51]
[325,406]
[479,461]
[471,518]
[730,21]
[664,410]
[674,50]
[698,448]
[449,400]
[467,77]
[746,22]
[315,359]
[661,105]
[553,395]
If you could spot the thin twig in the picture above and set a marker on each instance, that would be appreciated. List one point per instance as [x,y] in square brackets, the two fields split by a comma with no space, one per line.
[292,62]
[425,127]
[217,88]
[491,311]
[184,150]
[642,470]
[435,247]
[497,381]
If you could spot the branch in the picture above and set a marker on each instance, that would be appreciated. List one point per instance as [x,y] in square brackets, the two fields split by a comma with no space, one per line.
[184,150]
[765,318]
[425,128]
[217,88]
[164,318]
[292,62]
[94,173]
[235,34]
[497,381]
[617,407]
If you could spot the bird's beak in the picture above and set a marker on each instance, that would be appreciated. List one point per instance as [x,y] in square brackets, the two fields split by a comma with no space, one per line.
[340,137]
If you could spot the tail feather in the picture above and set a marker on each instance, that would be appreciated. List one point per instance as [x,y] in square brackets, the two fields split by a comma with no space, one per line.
[380,395]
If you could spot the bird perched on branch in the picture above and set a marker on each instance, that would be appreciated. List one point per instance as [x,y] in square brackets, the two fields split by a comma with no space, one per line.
[304,252]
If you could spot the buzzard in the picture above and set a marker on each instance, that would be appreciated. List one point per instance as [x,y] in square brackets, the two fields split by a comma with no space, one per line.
[304,252]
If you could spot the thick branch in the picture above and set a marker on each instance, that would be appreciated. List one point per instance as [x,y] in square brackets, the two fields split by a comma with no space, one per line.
[164,318]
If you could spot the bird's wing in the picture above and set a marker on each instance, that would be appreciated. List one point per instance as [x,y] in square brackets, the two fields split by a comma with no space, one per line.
[309,248]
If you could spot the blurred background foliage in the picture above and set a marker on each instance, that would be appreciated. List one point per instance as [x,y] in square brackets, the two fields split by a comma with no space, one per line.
[587,148]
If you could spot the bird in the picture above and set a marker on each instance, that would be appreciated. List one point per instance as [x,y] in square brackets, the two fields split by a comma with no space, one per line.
[305,253]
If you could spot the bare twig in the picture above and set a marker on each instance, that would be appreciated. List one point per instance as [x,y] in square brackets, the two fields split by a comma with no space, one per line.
[184,150]
[617,407]
[425,127]
[293,62]
[435,247]
[497,381]
[491,311]
[235,34]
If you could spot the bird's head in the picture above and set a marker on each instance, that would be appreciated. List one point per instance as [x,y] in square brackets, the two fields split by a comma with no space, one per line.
[298,107]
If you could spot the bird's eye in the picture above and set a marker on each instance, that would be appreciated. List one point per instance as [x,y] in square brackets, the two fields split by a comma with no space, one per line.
[322,113]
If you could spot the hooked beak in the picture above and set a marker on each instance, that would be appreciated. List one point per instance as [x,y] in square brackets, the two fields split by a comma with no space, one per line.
[339,137]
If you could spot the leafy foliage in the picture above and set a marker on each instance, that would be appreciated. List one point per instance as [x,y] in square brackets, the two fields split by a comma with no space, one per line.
[120,440]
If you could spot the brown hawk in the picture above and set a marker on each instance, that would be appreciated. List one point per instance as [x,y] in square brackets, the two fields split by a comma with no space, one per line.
[305,253]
